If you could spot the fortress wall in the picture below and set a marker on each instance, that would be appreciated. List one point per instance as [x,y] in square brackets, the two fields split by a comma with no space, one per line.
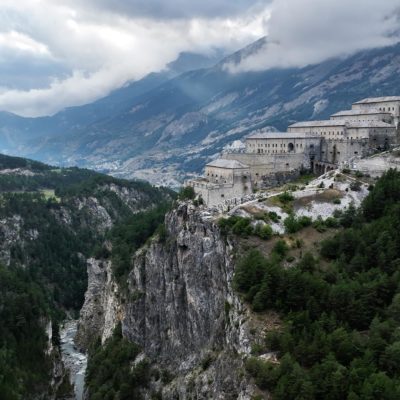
[266,164]
[217,194]
[336,152]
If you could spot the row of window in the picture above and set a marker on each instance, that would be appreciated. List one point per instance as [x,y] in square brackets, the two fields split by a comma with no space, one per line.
[388,109]
[275,145]
[261,151]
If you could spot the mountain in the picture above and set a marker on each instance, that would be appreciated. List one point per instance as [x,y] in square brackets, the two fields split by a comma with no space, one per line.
[268,301]
[163,130]
[51,221]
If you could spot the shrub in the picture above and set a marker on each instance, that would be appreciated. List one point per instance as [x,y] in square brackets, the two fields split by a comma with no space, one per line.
[293,224]
[336,201]
[281,248]
[266,232]
[355,186]
[187,193]
[273,216]
[319,224]
[242,227]
[261,216]
[285,197]
[263,372]
[207,361]
[331,222]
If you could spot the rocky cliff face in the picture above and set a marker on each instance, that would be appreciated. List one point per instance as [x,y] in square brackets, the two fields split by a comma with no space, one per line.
[180,308]
[101,309]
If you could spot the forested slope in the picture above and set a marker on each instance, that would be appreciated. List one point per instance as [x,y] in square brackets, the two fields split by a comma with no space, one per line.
[340,336]
[51,221]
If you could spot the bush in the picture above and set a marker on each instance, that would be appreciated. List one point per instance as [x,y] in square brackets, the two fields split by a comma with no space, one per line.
[273,216]
[242,227]
[336,201]
[293,224]
[265,232]
[355,186]
[280,248]
[263,372]
[339,337]
[187,193]
[285,197]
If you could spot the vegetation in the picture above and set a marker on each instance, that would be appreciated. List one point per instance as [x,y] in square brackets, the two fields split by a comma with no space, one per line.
[128,236]
[242,227]
[293,224]
[24,366]
[113,371]
[187,193]
[49,216]
[340,338]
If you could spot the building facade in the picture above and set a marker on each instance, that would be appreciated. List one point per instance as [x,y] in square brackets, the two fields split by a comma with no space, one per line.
[371,125]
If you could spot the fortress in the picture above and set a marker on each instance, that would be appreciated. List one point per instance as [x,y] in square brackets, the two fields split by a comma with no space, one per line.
[268,158]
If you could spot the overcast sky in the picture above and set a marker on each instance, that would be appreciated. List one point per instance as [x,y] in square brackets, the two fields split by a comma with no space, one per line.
[59,53]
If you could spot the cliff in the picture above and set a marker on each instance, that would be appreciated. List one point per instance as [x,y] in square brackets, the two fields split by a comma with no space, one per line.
[180,308]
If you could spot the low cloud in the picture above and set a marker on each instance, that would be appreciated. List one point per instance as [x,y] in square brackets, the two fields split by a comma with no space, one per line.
[75,52]
[175,9]
[55,54]
[302,32]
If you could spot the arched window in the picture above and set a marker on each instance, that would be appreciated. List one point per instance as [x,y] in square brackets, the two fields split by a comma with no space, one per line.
[290,147]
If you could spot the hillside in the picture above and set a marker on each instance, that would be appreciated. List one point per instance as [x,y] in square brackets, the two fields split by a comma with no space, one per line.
[51,221]
[167,129]
[291,296]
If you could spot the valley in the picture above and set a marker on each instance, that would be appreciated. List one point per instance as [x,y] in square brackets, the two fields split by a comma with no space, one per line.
[164,130]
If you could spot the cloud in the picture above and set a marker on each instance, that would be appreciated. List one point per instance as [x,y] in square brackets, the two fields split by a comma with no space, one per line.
[302,32]
[77,51]
[55,54]
[176,9]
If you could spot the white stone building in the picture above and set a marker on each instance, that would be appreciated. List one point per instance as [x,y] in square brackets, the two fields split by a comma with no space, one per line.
[359,115]
[223,179]
[389,104]
[274,157]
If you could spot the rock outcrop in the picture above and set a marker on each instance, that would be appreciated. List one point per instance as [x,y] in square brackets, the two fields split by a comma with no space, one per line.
[101,309]
[180,308]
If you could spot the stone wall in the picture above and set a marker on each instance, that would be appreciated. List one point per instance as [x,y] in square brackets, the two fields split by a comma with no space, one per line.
[339,151]
[214,194]
[267,164]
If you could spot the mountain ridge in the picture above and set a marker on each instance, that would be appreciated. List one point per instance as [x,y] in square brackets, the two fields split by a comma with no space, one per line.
[168,132]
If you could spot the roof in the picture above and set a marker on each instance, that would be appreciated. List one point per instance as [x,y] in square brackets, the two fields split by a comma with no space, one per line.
[369,124]
[223,163]
[340,122]
[359,112]
[281,135]
[378,99]
[327,122]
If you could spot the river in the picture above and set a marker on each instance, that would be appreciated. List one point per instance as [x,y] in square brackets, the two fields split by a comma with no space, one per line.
[74,360]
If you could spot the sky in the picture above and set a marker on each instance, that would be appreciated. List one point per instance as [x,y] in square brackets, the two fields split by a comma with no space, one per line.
[55,54]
